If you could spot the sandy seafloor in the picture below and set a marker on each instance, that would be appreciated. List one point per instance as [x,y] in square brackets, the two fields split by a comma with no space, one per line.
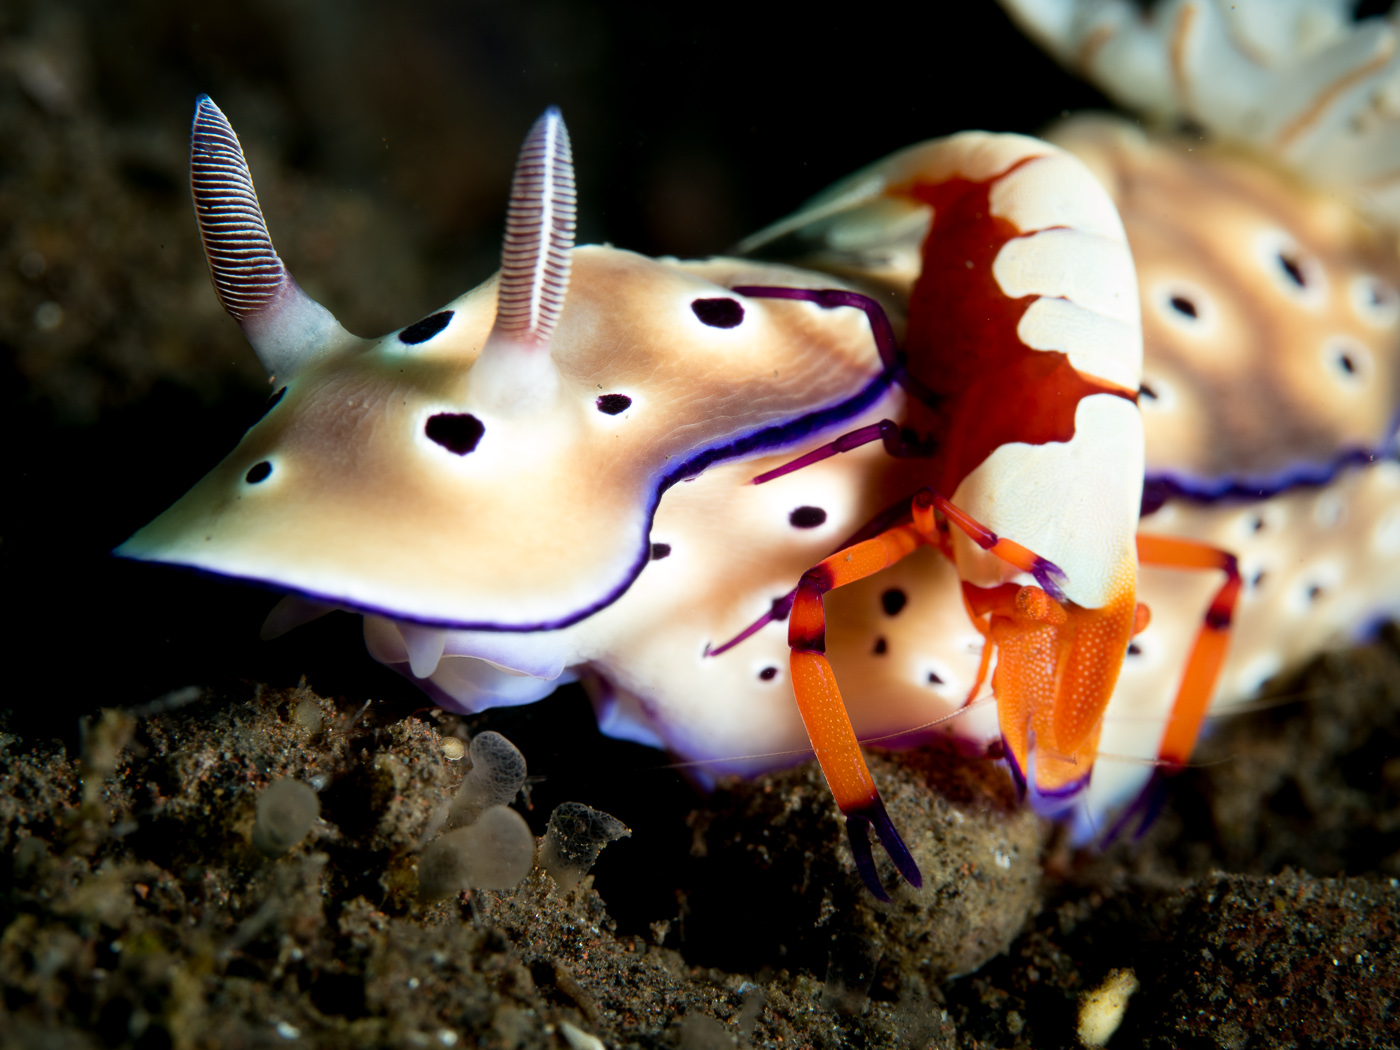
[1260,911]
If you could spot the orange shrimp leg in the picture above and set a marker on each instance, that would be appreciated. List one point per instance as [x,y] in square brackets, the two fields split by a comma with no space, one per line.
[1049,575]
[824,713]
[1208,654]
[1202,668]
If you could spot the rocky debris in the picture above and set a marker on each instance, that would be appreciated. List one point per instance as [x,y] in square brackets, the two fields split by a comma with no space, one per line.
[137,912]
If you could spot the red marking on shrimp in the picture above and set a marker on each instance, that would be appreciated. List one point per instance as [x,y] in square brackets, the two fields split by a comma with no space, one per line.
[965,358]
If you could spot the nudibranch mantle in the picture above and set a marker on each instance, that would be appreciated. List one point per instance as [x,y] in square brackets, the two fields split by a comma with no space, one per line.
[383,480]
[546,519]
[1263,285]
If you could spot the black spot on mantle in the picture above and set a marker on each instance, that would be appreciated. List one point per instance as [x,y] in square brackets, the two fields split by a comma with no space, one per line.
[612,404]
[1184,306]
[1293,268]
[422,331]
[718,313]
[458,432]
[893,600]
[807,517]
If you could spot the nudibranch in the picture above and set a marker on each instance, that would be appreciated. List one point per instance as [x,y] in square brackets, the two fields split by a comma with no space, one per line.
[550,478]
[494,467]
[1296,80]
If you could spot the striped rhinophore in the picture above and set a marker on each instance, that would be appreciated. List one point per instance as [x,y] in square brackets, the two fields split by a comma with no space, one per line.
[286,326]
[247,272]
[539,235]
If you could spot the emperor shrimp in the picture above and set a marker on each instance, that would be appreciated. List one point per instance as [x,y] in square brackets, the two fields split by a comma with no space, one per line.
[1022,357]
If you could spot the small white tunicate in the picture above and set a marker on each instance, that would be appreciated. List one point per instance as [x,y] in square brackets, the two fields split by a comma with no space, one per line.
[494,852]
[308,715]
[700,1031]
[496,776]
[575,836]
[286,811]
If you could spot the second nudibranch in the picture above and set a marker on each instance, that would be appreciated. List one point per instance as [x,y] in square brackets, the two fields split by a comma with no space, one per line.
[1309,83]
